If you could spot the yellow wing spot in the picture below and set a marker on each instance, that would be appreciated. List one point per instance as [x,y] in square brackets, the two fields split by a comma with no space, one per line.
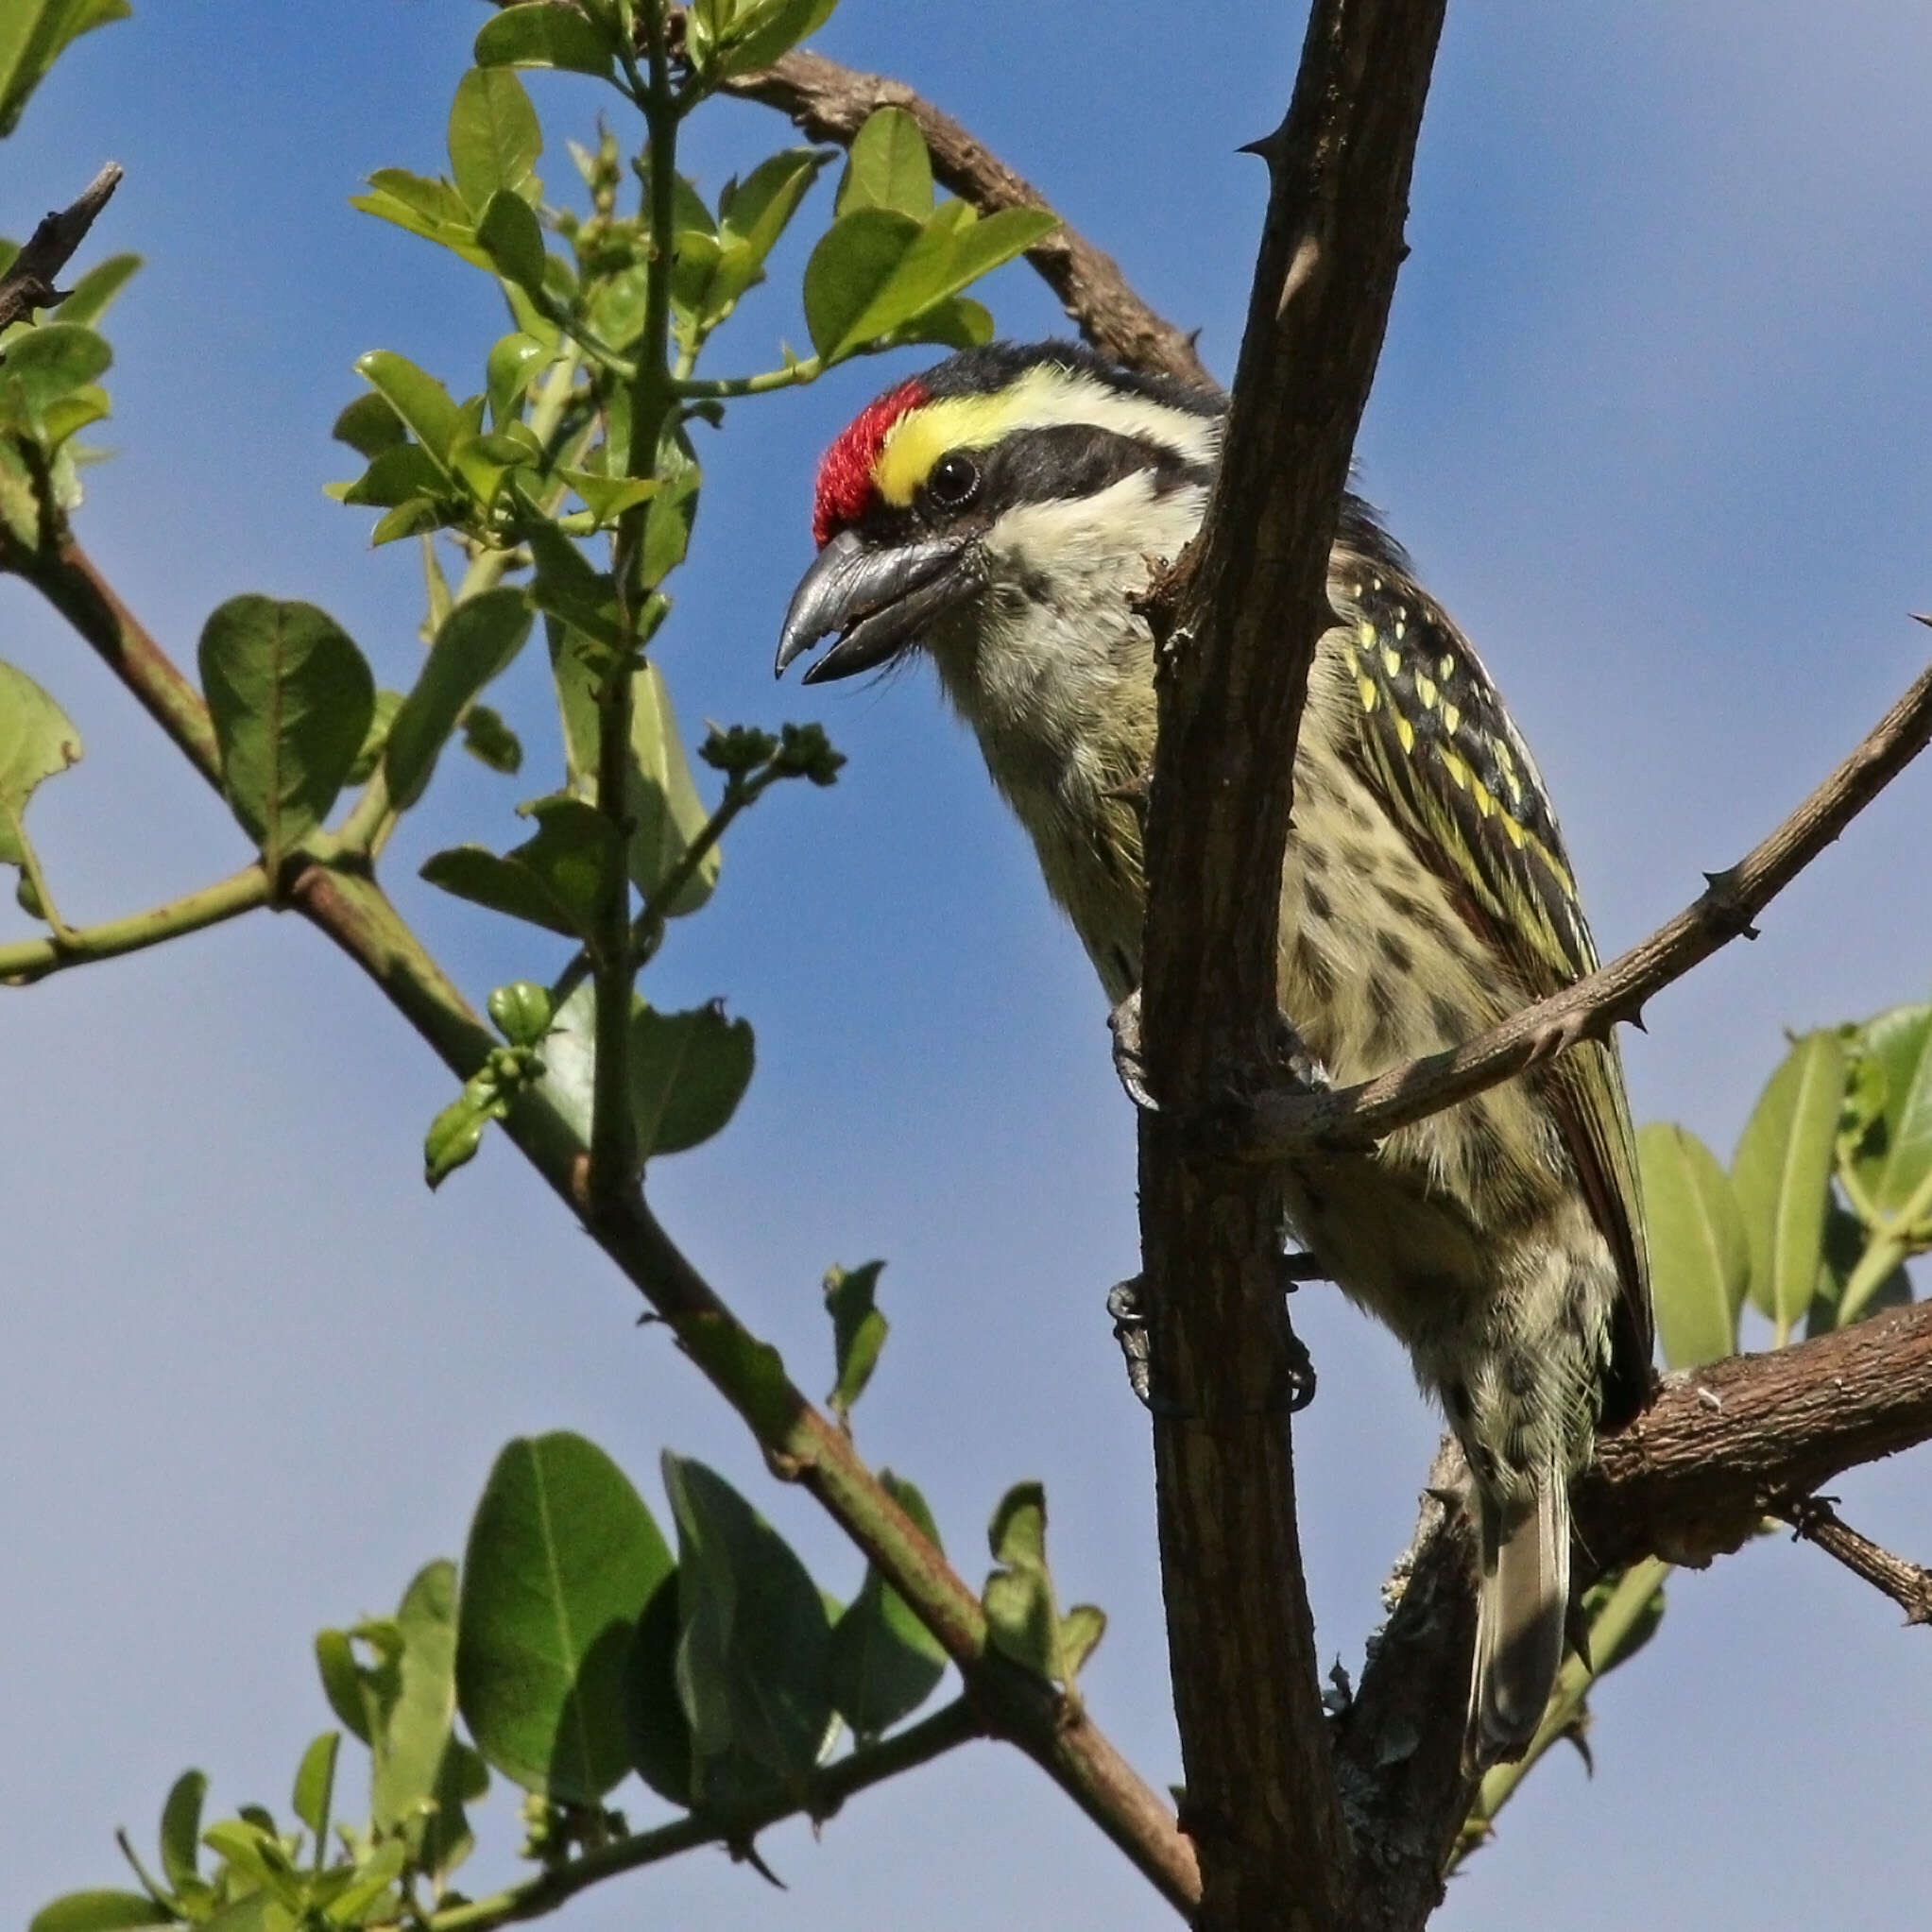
[1391,660]
[1457,769]
[1366,686]
[1514,784]
[1405,731]
[1377,583]
[1480,792]
[1514,830]
[1446,667]
[1365,633]
[1452,716]
[1424,690]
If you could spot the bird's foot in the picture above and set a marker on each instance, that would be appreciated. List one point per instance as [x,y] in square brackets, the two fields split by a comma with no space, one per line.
[1130,1332]
[1297,1366]
[1123,1022]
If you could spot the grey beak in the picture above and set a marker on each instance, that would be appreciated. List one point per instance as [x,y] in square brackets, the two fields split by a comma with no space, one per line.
[878,599]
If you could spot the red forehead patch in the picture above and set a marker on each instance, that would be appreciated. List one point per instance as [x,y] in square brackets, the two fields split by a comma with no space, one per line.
[845,477]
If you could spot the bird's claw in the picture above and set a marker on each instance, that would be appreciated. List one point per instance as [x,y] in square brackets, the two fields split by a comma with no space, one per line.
[1130,1332]
[1124,1024]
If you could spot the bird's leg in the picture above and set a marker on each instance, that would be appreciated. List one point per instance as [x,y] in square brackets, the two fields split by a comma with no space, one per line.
[1123,1022]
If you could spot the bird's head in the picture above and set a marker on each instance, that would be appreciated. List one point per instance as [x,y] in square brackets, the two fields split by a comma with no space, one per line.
[1008,483]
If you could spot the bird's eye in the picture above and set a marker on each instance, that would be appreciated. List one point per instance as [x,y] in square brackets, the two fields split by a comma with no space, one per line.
[954,482]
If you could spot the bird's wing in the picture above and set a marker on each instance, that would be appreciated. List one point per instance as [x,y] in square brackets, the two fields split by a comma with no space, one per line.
[1463,788]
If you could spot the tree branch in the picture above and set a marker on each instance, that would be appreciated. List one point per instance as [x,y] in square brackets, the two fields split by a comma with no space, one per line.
[1286,1120]
[28,282]
[801,1444]
[1691,1478]
[1235,646]
[830,103]
[1908,1585]
[827,1789]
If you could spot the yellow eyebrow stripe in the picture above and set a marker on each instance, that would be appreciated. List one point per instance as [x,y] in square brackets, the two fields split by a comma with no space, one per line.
[1040,399]
[921,436]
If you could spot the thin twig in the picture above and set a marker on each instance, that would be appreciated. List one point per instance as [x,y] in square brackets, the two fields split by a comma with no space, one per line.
[830,103]
[825,1791]
[1813,1520]
[28,282]
[1287,1122]
[27,960]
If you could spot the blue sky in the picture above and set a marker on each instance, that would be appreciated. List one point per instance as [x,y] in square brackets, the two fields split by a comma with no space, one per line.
[1653,418]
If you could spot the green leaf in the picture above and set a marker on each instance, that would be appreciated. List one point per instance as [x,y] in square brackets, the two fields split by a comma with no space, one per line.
[554,879]
[1621,1614]
[545,36]
[664,803]
[368,425]
[290,698]
[887,166]
[858,1329]
[430,209]
[491,742]
[660,1732]
[477,642]
[494,137]
[375,1877]
[513,365]
[607,497]
[1893,1156]
[1781,1173]
[513,241]
[315,1785]
[37,742]
[1081,1631]
[421,516]
[417,399]
[885,1662]
[662,795]
[341,1685]
[180,1830]
[854,260]
[399,475]
[568,587]
[369,754]
[57,357]
[417,1714]
[99,1911]
[688,1072]
[32,35]
[1700,1254]
[754,213]
[89,299]
[736,36]
[1021,1613]
[522,1012]
[562,1561]
[755,1641]
[1845,1240]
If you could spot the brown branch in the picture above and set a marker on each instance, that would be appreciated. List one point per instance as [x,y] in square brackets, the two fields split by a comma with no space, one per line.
[28,282]
[830,103]
[1691,1478]
[1813,1520]
[800,1443]
[1236,641]
[1288,1120]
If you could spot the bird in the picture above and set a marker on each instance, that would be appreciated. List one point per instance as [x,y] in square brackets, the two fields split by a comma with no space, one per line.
[1004,512]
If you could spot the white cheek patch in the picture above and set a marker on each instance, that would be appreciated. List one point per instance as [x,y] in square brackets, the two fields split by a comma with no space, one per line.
[1117,532]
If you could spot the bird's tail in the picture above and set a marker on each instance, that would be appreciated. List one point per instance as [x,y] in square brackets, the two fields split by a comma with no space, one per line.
[1522,1606]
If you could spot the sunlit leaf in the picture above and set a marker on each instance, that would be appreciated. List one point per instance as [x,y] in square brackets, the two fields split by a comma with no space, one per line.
[887,166]
[1781,1171]
[290,698]
[545,35]
[494,136]
[859,1330]
[1700,1254]
[562,1560]
[477,642]
[885,1662]
[37,742]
